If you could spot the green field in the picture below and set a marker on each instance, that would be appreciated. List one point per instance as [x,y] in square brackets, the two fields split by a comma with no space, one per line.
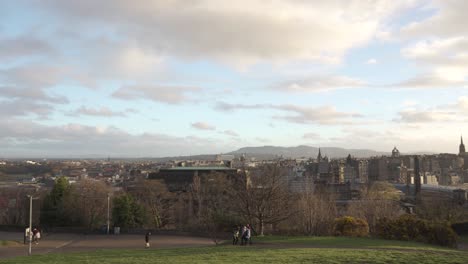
[271,250]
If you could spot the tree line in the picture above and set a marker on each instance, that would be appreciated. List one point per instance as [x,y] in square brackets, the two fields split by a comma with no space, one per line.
[214,203]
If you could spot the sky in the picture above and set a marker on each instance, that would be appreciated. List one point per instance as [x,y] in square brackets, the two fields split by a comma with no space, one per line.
[125,78]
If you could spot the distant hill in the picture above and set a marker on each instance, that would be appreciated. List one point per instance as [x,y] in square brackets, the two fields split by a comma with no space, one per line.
[265,152]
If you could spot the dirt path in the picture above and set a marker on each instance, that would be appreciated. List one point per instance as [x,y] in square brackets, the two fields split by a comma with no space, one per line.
[79,243]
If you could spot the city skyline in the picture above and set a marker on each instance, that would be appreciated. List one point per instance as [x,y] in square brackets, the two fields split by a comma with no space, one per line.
[174,78]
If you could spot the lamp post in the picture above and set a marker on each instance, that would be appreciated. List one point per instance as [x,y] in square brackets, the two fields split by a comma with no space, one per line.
[108,213]
[30,223]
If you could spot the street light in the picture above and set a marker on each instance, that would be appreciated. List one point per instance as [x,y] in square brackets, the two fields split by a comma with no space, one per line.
[108,213]
[30,222]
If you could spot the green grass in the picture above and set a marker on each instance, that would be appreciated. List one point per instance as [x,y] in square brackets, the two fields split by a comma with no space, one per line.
[346,242]
[237,254]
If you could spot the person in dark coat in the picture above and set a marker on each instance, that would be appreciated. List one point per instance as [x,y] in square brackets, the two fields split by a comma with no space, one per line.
[147,239]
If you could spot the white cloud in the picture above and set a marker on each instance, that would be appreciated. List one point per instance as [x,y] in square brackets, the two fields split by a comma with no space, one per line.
[371,61]
[439,45]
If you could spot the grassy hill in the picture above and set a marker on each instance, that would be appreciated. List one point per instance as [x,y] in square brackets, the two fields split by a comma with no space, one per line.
[271,250]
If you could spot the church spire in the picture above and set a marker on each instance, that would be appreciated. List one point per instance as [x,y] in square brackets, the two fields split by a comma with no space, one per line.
[319,156]
[462,147]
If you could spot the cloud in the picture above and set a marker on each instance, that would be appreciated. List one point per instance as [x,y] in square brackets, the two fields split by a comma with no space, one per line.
[441,45]
[455,112]
[324,115]
[230,133]
[371,61]
[164,94]
[276,31]
[24,46]
[425,116]
[22,138]
[103,111]
[203,126]
[448,20]
[311,135]
[9,108]
[320,83]
[223,106]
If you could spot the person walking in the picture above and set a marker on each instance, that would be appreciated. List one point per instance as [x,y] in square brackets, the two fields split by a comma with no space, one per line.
[244,233]
[235,235]
[37,236]
[248,235]
[147,239]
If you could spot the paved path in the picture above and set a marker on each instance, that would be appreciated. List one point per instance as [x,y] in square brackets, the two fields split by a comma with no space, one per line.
[79,243]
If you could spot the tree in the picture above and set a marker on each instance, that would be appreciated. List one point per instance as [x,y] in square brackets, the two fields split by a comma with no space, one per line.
[316,211]
[380,200]
[126,212]
[87,203]
[53,209]
[157,200]
[261,195]
[212,205]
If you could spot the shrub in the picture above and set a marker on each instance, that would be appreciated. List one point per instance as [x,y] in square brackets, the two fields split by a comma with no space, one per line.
[350,226]
[411,228]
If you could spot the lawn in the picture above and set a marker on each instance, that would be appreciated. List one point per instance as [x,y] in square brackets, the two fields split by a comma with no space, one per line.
[230,254]
[346,242]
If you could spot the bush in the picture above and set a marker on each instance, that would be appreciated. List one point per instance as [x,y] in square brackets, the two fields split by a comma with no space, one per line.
[411,228]
[460,228]
[350,226]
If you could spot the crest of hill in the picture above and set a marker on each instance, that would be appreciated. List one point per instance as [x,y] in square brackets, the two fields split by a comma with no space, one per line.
[305,151]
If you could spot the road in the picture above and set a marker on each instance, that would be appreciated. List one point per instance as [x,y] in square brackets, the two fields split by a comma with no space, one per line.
[56,243]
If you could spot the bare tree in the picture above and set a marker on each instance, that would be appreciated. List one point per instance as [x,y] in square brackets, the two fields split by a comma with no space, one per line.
[316,211]
[86,203]
[380,200]
[157,200]
[261,195]
[212,206]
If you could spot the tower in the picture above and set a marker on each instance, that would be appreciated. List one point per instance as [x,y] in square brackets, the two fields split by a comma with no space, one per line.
[462,147]
[395,153]
[319,156]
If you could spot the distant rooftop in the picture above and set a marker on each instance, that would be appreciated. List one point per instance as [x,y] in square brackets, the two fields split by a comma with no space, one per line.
[199,168]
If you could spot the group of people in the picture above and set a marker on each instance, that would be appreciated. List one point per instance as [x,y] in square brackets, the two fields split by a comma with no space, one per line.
[244,233]
[33,236]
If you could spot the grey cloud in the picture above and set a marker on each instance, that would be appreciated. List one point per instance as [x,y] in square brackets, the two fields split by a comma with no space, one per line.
[24,108]
[449,20]
[24,46]
[319,83]
[326,115]
[230,133]
[25,138]
[203,126]
[414,116]
[165,94]
[455,112]
[103,111]
[311,135]
[186,29]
